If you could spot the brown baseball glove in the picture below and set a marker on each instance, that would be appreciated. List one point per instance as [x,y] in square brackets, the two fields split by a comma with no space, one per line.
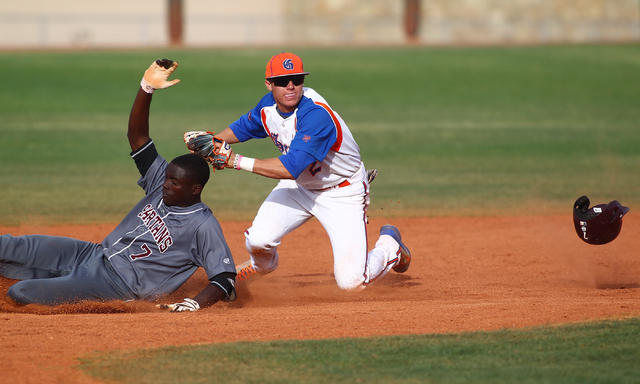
[203,143]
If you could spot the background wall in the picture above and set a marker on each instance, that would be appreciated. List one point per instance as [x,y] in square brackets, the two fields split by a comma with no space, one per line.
[529,21]
[133,23]
[126,23]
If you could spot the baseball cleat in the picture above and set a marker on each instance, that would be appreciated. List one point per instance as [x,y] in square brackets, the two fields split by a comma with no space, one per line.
[405,256]
[245,271]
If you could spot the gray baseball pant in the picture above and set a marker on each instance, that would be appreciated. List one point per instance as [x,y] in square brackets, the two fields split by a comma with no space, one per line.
[58,270]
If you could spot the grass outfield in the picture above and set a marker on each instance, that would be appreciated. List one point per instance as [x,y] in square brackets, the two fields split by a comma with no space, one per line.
[453,131]
[601,352]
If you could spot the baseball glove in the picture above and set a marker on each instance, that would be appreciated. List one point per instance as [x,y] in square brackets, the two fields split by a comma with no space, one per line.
[371,175]
[204,144]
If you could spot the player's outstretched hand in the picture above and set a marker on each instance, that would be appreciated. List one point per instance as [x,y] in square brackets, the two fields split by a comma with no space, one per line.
[223,153]
[188,305]
[157,75]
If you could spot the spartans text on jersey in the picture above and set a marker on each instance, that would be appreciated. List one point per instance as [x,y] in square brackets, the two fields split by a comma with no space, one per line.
[157,227]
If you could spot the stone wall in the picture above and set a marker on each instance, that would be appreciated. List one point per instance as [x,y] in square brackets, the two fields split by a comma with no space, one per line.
[529,21]
[344,21]
[463,21]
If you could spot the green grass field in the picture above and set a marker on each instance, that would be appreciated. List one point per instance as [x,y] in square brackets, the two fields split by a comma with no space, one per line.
[602,352]
[453,131]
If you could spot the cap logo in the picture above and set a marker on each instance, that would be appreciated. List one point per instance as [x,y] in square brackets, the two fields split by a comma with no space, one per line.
[287,64]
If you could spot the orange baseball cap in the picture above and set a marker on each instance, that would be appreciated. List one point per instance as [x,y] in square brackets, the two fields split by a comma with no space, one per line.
[284,64]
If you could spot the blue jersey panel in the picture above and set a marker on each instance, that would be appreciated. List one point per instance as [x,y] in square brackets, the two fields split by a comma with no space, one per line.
[296,161]
[316,130]
[315,133]
[250,126]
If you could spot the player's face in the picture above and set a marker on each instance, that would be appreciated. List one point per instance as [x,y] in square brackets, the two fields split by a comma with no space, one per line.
[177,189]
[287,91]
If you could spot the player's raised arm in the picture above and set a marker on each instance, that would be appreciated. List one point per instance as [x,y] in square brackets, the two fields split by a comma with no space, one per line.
[155,77]
[138,132]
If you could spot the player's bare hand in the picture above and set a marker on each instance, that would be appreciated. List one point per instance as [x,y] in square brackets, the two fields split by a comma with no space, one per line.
[188,305]
[222,152]
[231,159]
[157,75]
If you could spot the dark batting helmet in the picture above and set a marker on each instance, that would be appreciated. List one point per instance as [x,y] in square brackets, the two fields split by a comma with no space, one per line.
[599,224]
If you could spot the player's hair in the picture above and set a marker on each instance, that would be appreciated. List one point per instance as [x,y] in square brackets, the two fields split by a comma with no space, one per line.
[196,167]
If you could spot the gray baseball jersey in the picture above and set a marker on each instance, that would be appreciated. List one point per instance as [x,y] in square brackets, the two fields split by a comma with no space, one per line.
[156,248]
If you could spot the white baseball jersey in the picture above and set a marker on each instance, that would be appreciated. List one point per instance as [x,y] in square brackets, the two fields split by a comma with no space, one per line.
[314,129]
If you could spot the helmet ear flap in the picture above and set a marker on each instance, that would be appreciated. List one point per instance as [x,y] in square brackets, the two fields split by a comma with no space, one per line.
[617,211]
[614,214]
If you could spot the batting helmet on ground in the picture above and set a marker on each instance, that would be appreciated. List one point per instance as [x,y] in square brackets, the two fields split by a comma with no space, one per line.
[599,224]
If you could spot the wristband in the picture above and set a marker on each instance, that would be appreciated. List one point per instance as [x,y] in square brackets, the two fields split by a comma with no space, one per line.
[146,86]
[244,163]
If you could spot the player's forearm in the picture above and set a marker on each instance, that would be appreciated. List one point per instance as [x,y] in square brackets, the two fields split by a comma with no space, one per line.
[228,136]
[138,132]
[209,296]
[272,168]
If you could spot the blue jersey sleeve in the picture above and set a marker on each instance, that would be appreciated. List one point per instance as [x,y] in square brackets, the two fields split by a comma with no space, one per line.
[316,133]
[296,161]
[249,126]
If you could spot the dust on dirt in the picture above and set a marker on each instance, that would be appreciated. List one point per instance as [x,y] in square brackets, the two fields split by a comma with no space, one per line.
[467,274]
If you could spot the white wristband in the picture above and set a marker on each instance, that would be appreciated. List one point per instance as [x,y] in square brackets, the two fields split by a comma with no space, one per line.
[244,163]
[146,86]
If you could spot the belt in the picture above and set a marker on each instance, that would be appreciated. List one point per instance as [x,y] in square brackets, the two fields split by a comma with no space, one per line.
[343,184]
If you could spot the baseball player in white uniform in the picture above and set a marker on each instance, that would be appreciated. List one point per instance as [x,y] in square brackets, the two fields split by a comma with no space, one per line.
[321,175]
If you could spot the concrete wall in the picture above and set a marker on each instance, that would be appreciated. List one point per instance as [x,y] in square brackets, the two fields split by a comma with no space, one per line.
[345,21]
[69,23]
[529,21]
[135,23]
[464,21]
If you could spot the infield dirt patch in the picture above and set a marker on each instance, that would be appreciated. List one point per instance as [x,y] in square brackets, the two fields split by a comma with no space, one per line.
[467,274]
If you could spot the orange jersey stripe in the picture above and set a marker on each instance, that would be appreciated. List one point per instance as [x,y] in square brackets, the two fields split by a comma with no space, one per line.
[338,144]
[263,117]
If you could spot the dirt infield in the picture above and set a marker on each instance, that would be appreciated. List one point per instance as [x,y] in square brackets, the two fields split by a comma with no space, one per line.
[467,274]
